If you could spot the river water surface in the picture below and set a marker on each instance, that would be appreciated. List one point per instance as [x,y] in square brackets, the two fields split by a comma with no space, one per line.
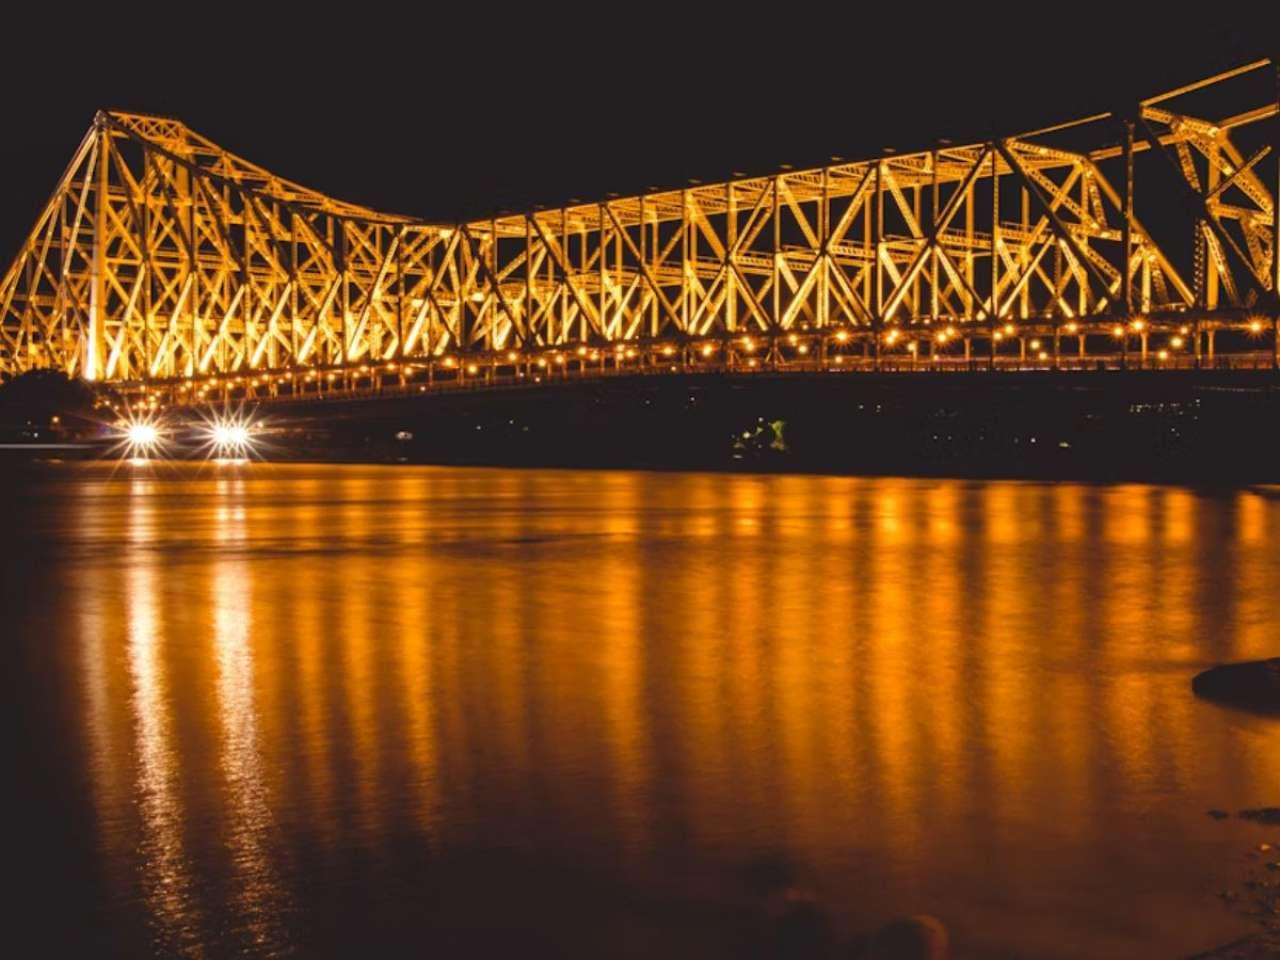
[274,710]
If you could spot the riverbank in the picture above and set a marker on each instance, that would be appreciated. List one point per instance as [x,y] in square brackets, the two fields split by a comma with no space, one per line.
[1137,426]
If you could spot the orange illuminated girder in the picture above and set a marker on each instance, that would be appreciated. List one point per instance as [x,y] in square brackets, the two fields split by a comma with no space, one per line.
[162,258]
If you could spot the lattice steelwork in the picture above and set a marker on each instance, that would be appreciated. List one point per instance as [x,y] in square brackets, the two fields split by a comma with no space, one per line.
[162,259]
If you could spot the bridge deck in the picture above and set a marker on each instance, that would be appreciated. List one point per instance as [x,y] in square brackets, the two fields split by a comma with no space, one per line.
[410,380]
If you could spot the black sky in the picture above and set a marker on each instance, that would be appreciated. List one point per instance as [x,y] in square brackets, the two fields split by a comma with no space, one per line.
[457,114]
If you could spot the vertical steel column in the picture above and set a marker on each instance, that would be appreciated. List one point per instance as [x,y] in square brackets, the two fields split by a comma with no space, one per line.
[345,345]
[730,281]
[933,242]
[776,317]
[877,234]
[563,261]
[1275,221]
[821,265]
[97,270]
[528,282]
[1126,228]
[995,259]
[601,246]
[686,288]
[401,332]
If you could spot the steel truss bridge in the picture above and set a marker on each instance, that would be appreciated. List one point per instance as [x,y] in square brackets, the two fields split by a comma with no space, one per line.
[179,273]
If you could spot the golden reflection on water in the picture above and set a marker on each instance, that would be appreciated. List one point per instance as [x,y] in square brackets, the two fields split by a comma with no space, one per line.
[923,693]
[258,899]
[166,871]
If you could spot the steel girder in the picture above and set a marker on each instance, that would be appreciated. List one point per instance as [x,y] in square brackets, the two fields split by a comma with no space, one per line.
[161,257]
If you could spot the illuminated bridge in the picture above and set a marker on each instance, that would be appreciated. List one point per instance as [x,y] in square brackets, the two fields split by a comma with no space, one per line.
[179,273]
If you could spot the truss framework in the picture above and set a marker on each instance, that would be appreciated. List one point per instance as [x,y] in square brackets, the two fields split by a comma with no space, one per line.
[161,257]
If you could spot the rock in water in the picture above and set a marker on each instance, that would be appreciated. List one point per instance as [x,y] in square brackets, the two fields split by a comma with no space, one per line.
[912,938]
[1254,685]
[1267,815]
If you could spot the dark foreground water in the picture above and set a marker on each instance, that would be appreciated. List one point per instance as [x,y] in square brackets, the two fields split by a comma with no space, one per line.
[337,711]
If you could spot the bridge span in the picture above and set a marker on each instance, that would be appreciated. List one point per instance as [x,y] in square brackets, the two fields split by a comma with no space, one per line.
[176,273]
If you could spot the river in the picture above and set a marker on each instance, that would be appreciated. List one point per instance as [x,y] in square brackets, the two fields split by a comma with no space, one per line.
[307,710]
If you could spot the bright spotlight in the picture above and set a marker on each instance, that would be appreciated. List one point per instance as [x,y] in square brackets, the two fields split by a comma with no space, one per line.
[229,435]
[141,434]
[139,438]
[230,438]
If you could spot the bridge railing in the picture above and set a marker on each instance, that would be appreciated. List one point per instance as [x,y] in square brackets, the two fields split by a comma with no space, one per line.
[515,379]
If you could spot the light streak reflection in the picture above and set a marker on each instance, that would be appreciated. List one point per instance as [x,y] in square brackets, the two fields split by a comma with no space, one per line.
[261,902]
[166,866]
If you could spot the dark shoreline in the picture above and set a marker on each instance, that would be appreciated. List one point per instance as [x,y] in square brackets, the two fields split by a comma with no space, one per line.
[1203,428]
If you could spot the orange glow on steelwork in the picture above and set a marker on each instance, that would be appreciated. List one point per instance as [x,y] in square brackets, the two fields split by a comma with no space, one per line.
[467,290]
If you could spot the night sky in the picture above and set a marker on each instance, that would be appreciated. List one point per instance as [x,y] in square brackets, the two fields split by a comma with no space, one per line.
[473,113]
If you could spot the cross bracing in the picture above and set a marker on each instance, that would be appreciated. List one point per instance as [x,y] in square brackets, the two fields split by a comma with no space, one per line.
[163,259]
